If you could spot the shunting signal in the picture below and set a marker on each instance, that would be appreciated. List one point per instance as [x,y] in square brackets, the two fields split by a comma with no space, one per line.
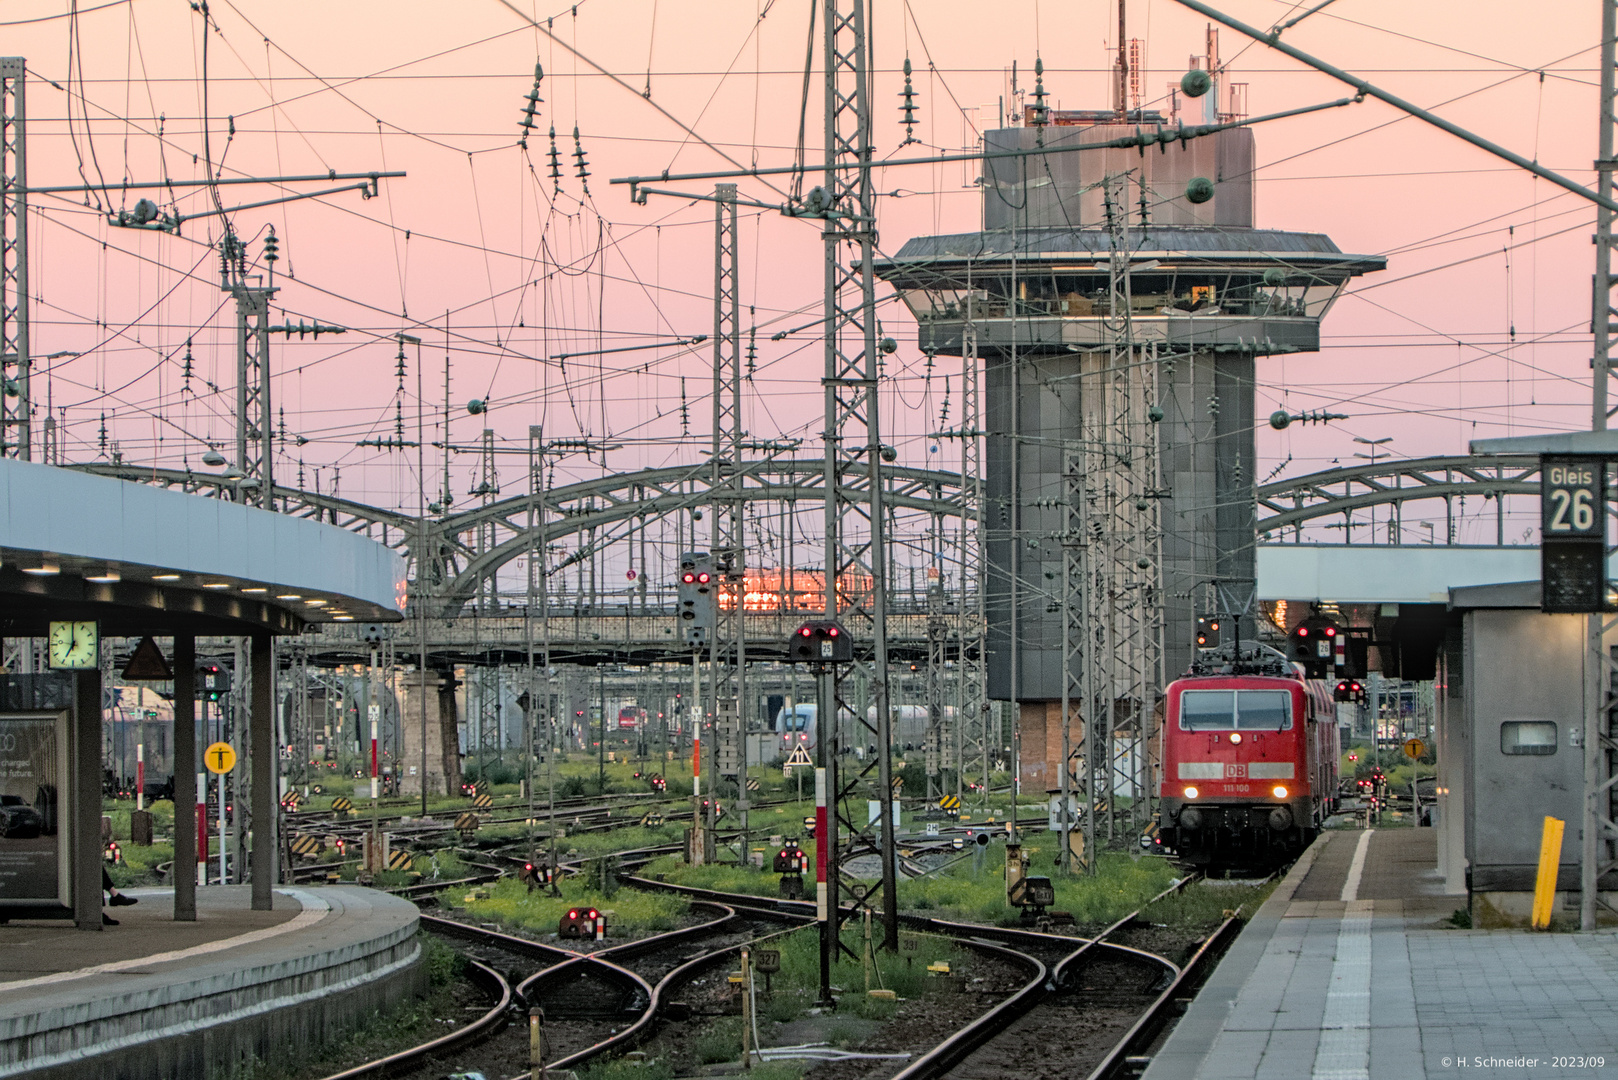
[582,924]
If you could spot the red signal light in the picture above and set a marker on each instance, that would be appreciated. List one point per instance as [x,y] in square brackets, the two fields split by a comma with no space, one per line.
[702,579]
[805,631]
[832,632]
[574,914]
[593,913]
[689,577]
[1302,631]
[1330,631]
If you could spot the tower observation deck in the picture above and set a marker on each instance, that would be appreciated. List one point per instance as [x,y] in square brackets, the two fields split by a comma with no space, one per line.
[1118,300]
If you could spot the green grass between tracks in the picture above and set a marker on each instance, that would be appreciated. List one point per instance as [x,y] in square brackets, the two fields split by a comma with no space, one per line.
[1121,884]
[509,903]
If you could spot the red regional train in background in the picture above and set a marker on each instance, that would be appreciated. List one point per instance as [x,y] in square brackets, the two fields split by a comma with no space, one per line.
[1250,761]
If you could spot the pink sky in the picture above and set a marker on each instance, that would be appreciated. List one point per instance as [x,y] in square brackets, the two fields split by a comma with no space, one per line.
[1422,352]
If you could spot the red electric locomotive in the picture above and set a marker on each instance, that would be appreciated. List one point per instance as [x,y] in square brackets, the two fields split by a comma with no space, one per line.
[1250,752]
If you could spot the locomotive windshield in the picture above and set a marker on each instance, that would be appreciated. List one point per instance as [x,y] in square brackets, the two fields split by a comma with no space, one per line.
[1235,710]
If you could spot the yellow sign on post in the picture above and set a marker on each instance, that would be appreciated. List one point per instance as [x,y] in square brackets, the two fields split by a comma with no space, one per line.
[1414,748]
[220,758]
[1550,859]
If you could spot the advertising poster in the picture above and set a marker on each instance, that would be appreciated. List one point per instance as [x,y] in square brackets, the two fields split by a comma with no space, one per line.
[33,830]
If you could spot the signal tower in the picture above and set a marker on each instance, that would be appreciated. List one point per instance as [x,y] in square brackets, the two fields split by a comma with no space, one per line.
[1119,302]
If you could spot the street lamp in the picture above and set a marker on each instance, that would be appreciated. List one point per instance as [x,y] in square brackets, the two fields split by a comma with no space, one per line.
[1371,457]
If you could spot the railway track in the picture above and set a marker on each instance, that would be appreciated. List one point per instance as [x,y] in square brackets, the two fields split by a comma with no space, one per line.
[1088,1007]
[593,1003]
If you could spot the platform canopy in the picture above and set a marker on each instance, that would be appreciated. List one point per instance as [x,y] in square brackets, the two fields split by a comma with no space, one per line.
[142,560]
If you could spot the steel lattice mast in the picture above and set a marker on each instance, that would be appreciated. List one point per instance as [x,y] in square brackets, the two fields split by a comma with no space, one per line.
[1599,848]
[15,365]
[856,560]
[727,685]
[972,658]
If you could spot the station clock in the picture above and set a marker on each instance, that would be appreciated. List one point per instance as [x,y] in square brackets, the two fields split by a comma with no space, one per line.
[74,645]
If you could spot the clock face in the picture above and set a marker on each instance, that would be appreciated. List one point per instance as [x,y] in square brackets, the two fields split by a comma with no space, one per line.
[73,645]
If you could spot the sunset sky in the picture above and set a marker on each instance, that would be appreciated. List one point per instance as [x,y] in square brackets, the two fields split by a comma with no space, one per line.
[1479,326]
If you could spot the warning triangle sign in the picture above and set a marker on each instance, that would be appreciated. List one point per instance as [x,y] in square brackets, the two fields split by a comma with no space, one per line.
[147,664]
[799,756]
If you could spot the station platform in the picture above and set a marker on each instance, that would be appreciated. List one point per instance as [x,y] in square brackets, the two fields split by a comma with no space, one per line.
[1351,970]
[155,999]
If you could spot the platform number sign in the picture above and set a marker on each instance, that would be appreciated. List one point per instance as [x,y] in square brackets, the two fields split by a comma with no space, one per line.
[1573,531]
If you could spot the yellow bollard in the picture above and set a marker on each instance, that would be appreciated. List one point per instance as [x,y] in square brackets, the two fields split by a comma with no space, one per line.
[1550,859]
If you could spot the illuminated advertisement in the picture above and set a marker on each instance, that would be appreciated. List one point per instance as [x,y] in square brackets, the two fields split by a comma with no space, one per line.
[33,826]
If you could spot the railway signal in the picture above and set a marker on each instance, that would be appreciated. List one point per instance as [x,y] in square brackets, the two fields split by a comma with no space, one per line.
[213,681]
[1350,690]
[582,924]
[1207,631]
[1314,645]
[698,596]
[820,642]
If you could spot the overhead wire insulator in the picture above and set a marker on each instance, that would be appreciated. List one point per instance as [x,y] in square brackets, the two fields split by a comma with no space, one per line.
[579,162]
[1040,113]
[533,101]
[556,161]
[907,108]
[752,347]
[272,247]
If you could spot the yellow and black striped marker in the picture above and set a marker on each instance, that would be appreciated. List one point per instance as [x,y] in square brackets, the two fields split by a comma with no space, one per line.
[483,802]
[467,823]
[342,805]
[399,860]
[753,785]
[651,817]
[305,847]
[950,802]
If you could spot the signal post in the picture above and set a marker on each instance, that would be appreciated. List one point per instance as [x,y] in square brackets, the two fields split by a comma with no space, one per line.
[822,645]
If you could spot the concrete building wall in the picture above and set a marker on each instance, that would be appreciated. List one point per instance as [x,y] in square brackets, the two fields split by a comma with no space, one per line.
[1063,190]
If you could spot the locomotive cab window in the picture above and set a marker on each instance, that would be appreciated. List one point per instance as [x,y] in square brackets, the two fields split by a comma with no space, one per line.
[1536,737]
[1236,710]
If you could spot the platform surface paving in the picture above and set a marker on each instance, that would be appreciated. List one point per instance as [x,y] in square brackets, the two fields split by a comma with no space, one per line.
[40,947]
[183,997]
[1350,971]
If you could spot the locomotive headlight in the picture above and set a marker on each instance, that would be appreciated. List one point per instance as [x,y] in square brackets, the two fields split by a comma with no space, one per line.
[1235,736]
[1190,792]
[1280,791]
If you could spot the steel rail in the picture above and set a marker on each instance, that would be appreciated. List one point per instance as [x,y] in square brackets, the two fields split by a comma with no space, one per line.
[654,994]
[486,1024]
[1146,1029]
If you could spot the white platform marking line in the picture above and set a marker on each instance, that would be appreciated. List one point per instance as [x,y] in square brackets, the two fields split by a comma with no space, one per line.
[1344,1052]
[1356,868]
[314,909]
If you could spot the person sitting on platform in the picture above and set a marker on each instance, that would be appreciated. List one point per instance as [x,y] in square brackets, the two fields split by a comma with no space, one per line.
[116,898]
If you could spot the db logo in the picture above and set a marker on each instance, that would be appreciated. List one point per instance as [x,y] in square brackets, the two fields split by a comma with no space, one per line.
[1236,772]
